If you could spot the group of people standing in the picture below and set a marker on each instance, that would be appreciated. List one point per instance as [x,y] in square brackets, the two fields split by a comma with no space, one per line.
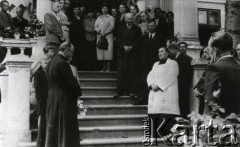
[84,28]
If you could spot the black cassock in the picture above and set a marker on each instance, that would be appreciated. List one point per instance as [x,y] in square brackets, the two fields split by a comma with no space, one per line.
[61,114]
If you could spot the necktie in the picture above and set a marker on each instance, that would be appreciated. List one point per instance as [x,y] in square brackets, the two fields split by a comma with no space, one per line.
[150,37]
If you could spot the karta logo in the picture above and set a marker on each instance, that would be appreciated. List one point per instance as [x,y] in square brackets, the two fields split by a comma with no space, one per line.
[189,135]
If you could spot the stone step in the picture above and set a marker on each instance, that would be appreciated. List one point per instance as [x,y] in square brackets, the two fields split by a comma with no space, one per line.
[115,109]
[98,82]
[99,91]
[111,132]
[97,75]
[105,100]
[104,132]
[111,142]
[110,120]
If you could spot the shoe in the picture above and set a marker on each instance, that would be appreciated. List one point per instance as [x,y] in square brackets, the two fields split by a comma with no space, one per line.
[132,95]
[102,70]
[116,96]
[108,70]
[138,102]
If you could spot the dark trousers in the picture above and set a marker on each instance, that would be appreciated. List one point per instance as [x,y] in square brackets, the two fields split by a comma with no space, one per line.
[127,69]
[166,120]
[184,101]
[142,87]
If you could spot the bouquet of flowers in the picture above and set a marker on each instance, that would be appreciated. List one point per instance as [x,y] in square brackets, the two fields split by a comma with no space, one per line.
[36,28]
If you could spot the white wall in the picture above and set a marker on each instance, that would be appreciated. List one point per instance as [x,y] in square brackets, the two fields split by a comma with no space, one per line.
[214,4]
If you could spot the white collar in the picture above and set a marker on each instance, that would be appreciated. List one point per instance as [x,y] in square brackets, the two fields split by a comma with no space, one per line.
[152,34]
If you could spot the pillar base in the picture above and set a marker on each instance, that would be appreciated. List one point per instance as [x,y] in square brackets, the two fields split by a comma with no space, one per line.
[13,138]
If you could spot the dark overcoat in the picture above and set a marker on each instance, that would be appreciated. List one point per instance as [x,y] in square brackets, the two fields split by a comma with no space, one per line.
[62,123]
[227,73]
[20,23]
[5,21]
[184,83]
[127,61]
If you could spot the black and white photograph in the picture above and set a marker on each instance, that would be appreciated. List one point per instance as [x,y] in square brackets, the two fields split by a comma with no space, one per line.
[119,73]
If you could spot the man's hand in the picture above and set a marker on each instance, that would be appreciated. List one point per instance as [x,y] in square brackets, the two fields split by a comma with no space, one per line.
[126,48]
[102,34]
[155,88]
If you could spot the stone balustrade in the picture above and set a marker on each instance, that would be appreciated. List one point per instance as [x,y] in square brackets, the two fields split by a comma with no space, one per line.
[15,88]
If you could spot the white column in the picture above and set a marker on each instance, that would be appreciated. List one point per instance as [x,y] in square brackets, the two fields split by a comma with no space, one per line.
[141,4]
[199,66]
[186,24]
[3,106]
[43,7]
[166,5]
[18,119]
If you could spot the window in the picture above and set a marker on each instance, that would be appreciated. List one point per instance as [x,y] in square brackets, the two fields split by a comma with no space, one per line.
[209,21]
[209,17]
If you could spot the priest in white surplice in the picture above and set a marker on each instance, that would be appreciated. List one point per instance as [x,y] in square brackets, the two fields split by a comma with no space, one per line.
[163,97]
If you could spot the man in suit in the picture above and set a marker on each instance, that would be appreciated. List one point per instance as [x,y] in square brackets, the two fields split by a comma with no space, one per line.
[54,33]
[148,45]
[63,92]
[127,39]
[20,22]
[184,79]
[161,23]
[222,82]
[6,22]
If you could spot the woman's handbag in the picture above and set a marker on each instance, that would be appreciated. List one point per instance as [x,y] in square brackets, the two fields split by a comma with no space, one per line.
[102,43]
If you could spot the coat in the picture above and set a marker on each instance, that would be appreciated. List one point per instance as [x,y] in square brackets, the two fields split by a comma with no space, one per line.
[226,71]
[41,87]
[105,24]
[62,123]
[127,61]
[164,101]
[5,21]
[184,82]
[77,38]
[54,33]
[128,37]
[21,24]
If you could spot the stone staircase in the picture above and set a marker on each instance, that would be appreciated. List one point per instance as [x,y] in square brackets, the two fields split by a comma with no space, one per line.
[109,122]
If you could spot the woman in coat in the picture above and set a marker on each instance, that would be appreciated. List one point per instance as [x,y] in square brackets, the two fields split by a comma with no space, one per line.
[104,26]
[77,38]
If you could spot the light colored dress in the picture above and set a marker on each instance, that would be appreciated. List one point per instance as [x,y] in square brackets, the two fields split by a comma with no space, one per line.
[165,77]
[105,23]
[89,28]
